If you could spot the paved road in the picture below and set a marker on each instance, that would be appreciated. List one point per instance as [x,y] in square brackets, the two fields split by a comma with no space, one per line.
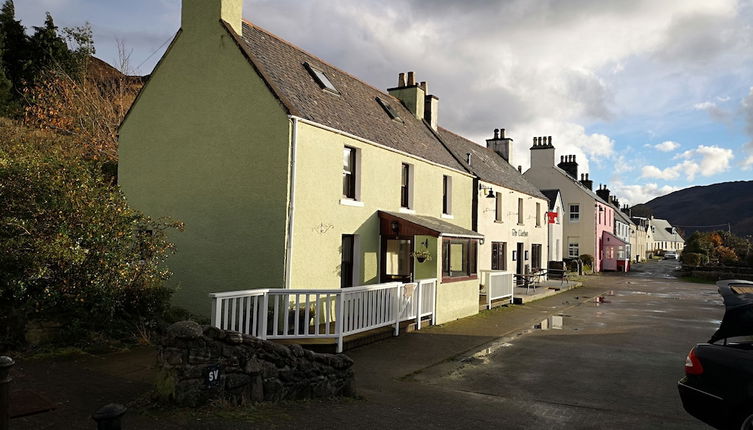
[612,365]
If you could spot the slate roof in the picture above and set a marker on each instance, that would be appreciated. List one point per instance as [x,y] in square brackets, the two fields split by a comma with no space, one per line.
[552,196]
[661,232]
[355,110]
[441,227]
[623,216]
[487,164]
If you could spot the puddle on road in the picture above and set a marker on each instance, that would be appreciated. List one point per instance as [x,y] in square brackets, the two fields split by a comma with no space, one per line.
[554,322]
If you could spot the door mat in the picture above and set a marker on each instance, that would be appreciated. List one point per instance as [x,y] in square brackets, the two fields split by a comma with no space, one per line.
[24,403]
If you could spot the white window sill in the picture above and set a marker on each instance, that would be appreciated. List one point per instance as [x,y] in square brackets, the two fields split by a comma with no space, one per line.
[447,216]
[497,221]
[407,211]
[351,202]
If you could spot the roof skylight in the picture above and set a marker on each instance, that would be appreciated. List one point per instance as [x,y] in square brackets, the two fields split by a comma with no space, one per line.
[321,78]
[389,109]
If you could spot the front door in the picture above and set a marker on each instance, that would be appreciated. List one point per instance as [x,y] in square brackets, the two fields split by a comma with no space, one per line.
[397,262]
[520,266]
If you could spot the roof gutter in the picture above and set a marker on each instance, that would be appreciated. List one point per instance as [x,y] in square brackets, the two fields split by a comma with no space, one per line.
[291,200]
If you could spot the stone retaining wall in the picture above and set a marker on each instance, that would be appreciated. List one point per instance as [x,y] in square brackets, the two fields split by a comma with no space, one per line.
[198,364]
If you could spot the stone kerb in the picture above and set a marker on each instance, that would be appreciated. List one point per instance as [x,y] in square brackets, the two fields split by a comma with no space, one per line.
[198,364]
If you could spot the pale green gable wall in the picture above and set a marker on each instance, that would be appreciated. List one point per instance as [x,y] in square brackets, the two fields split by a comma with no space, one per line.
[320,219]
[208,144]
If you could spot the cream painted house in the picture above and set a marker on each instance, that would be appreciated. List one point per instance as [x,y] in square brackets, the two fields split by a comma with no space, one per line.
[290,173]
[665,236]
[640,236]
[588,221]
[508,210]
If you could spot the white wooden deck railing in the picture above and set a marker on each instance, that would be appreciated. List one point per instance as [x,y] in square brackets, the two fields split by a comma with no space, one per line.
[496,284]
[321,314]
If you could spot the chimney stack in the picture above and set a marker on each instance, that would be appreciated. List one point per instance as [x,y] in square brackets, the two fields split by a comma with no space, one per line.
[569,165]
[413,96]
[202,15]
[501,145]
[627,211]
[603,192]
[542,152]
[586,182]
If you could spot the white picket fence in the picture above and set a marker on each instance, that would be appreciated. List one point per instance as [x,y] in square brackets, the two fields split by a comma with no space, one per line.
[320,314]
[496,285]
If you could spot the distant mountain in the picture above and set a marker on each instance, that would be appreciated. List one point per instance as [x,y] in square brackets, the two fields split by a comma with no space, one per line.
[728,202]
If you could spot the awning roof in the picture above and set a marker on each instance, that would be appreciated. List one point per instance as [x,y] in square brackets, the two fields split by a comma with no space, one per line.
[411,225]
[608,239]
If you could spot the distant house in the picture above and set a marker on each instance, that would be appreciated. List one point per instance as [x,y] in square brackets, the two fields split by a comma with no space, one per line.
[665,236]
[641,237]
[588,218]
[290,173]
[554,224]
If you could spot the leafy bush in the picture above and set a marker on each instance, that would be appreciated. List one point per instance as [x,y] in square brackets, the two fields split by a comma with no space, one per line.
[693,258]
[587,259]
[72,249]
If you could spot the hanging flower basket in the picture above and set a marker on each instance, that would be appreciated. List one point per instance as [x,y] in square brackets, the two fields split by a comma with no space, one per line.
[421,256]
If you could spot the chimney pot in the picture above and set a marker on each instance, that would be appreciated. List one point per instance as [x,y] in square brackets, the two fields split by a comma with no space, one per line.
[411,79]
[520,168]
[423,86]
[401,80]
[496,133]
[502,133]
[562,158]
[549,139]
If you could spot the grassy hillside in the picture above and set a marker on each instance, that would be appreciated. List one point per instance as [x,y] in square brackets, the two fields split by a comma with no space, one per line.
[727,202]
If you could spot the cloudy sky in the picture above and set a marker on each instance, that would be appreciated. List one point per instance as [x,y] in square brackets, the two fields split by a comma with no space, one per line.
[652,96]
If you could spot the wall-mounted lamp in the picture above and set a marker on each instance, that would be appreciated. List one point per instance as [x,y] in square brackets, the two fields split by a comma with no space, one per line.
[395,227]
[425,243]
[601,209]
[491,191]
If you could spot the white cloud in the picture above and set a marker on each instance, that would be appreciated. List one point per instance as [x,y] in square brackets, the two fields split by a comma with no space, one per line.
[704,160]
[654,172]
[704,106]
[667,146]
[636,194]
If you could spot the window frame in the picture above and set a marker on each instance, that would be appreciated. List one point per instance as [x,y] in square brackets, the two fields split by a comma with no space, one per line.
[350,188]
[470,257]
[521,214]
[573,246]
[406,186]
[498,207]
[446,195]
[574,215]
[499,255]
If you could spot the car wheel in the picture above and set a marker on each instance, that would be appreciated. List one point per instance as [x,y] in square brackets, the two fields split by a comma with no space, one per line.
[747,423]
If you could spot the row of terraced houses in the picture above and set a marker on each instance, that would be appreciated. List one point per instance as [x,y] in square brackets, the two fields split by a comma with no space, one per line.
[292,174]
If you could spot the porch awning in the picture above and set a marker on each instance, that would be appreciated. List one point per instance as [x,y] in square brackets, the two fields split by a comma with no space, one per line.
[398,223]
[608,239]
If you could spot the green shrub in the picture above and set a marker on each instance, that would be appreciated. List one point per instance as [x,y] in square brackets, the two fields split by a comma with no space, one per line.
[587,259]
[693,258]
[72,249]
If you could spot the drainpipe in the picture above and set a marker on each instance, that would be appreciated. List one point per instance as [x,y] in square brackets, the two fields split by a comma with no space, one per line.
[291,204]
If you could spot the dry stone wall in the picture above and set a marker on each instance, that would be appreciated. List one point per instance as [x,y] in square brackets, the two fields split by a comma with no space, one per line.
[199,364]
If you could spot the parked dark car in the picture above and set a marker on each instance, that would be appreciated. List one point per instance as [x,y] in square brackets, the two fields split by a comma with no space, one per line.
[718,383]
